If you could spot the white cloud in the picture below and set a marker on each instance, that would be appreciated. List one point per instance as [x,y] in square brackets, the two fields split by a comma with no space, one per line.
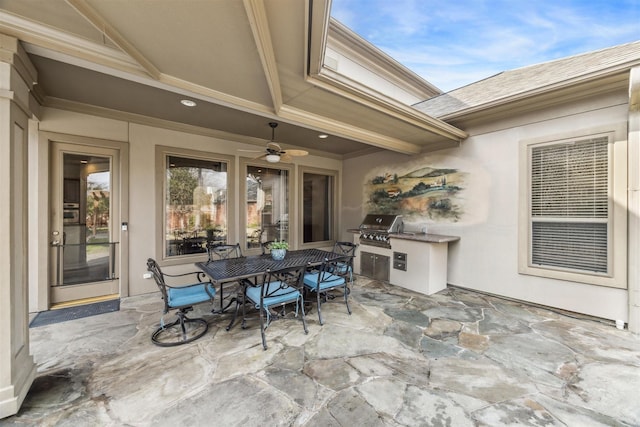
[453,43]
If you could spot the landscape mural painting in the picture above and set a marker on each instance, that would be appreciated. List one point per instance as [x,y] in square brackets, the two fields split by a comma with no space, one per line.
[424,193]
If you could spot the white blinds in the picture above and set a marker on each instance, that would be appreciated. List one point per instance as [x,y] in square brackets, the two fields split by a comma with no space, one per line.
[570,205]
[570,181]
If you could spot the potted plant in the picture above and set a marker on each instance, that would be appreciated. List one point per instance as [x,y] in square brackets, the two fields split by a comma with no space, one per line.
[278,249]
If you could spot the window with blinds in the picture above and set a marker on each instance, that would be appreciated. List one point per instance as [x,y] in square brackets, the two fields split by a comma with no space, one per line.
[569,205]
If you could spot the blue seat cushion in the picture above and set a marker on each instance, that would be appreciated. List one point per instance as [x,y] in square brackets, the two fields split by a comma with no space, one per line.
[276,296]
[328,281]
[341,268]
[189,295]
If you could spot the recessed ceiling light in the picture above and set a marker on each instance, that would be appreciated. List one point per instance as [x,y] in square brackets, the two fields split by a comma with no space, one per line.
[323,136]
[188,103]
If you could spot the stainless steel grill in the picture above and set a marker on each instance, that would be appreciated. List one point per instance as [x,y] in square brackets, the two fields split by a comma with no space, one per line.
[375,229]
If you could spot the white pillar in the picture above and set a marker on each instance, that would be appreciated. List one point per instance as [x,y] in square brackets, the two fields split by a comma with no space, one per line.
[634,201]
[17,368]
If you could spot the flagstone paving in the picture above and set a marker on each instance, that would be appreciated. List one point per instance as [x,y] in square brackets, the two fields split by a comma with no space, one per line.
[457,358]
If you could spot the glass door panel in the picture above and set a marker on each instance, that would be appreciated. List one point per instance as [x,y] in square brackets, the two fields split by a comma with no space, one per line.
[267,207]
[84,258]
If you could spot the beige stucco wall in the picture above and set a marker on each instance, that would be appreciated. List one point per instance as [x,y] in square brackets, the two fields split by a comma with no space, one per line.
[486,257]
[142,141]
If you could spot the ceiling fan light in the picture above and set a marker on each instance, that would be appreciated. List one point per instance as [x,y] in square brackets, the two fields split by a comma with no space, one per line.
[272,158]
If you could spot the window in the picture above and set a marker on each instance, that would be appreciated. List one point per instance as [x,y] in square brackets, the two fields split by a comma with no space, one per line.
[318,206]
[267,205]
[195,204]
[572,231]
[570,205]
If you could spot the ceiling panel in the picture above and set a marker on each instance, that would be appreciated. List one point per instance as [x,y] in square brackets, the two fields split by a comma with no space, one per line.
[56,14]
[208,43]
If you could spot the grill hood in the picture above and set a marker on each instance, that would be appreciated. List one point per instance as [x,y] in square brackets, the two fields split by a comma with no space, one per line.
[382,223]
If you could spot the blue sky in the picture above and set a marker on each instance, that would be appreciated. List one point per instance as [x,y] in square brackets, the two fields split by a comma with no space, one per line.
[454,43]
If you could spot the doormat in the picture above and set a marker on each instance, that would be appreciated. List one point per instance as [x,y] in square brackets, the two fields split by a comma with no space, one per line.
[71,313]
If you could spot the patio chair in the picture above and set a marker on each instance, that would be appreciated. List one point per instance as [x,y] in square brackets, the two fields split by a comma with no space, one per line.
[277,289]
[244,283]
[346,269]
[224,251]
[326,279]
[181,298]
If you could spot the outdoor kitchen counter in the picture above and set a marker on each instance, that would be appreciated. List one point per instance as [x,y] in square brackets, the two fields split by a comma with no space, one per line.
[418,237]
[425,237]
[418,261]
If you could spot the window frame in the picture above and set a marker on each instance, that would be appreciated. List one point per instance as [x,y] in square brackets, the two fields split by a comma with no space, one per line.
[162,153]
[334,220]
[242,217]
[616,276]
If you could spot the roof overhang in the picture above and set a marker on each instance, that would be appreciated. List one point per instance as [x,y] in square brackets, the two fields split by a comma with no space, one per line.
[262,60]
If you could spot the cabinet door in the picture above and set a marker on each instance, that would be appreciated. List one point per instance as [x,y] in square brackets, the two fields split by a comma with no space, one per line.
[367,264]
[381,270]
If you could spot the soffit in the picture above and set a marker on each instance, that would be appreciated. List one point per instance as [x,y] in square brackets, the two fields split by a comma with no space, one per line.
[84,87]
[341,109]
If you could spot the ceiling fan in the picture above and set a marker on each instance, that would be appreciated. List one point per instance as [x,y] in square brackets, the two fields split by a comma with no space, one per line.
[274,153]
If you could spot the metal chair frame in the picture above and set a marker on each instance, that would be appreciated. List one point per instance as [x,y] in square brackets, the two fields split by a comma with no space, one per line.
[349,249]
[276,290]
[325,279]
[224,251]
[196,293]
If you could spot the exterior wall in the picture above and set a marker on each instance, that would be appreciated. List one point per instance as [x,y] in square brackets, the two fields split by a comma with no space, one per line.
[634,202]
[486,257]
[142,141]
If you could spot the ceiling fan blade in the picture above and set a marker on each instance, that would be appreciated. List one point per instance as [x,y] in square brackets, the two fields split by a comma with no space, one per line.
[296,152]
[260,157]
[286,158]
[250,151]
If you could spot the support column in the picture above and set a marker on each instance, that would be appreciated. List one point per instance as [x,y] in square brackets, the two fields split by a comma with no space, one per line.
[633,277]
[17,368]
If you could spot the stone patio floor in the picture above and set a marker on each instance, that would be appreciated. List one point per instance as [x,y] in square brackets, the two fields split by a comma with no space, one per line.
[457,358]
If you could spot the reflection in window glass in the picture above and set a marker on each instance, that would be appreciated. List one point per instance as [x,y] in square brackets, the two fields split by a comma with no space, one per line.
[267,205]
[195,205]
[317,207]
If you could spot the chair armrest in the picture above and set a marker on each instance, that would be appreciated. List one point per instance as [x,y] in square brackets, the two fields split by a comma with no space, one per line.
[200,275]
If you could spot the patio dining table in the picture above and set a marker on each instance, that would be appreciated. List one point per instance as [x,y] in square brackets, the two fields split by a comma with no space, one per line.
[229,270]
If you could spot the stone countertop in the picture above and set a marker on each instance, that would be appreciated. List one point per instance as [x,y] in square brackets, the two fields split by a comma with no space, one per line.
[424,237]
[417,236]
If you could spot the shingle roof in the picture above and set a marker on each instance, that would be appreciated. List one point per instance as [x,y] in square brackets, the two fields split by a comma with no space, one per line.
[520,81]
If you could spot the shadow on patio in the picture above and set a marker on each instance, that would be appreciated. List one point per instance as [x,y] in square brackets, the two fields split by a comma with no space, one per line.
[456,358]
